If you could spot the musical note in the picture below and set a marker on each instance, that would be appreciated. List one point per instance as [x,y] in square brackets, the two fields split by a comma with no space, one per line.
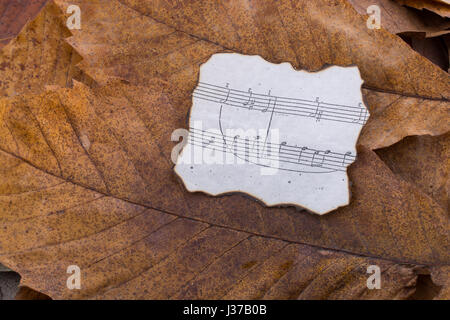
[228,94]
[317,154]
[268,149]
[250,103]
[319,115]
[234,144]
[283,144]
[348,153]
[272,100]
[300,153]
[362,114]
[316,112]
[256,142]
[208,142]
[313,158]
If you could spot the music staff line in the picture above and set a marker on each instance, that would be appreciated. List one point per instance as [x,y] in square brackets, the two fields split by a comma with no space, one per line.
[319,115]
[268,97]
[288,154]
[295,149]
[281,105]
[318,112]
[243,154]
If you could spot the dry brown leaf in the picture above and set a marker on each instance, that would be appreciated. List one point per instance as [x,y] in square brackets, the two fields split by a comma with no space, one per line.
[116,41]
[398,19]
[424,161]
[397,116]
[14,16]
[39,56]
[441,7]
[441,276]
[100,160]
[26,293]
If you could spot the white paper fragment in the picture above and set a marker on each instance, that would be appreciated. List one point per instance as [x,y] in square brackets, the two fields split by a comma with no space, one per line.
[283,136]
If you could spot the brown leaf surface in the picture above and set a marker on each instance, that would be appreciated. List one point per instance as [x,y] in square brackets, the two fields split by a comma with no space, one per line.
[396,117]
[398,19]
[424,161]
[26,293]
[100,160]
[14,16]
[441,7]
[86,176]
[138,48]
[39,56]
[441,276]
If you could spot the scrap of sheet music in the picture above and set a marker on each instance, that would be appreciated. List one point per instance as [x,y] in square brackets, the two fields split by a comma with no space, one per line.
[283,136]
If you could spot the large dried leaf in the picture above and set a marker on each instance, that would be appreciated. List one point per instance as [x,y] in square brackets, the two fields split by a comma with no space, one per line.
[100,160]
[117,41]
[86,175]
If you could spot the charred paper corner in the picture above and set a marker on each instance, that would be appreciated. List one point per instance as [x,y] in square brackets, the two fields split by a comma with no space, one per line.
[282,136]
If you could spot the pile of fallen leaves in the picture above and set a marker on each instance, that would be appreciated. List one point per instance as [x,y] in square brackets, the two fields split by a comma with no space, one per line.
[86,179]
